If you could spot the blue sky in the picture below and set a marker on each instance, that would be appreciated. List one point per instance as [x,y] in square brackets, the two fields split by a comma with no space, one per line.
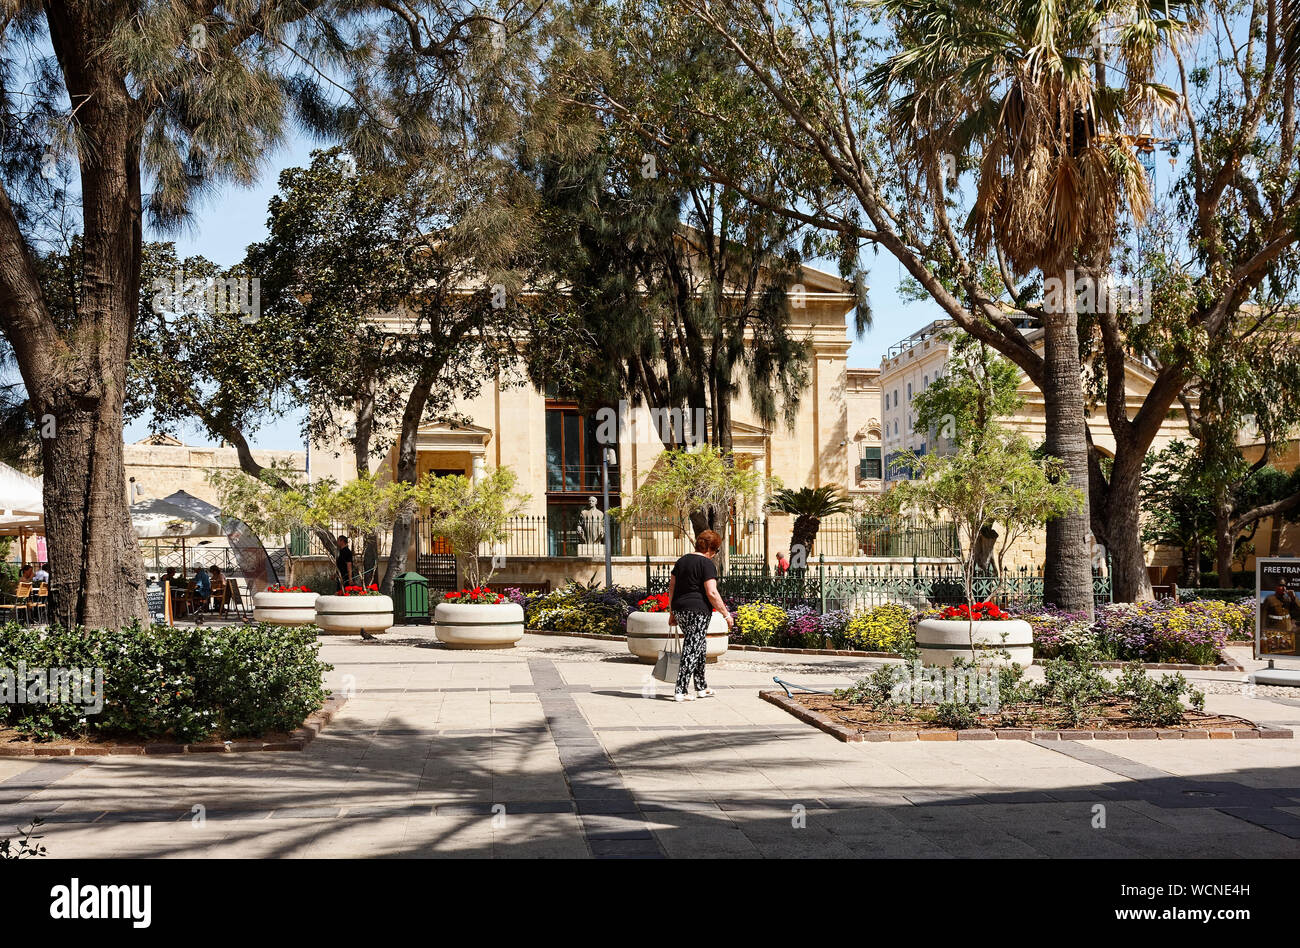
[236,217]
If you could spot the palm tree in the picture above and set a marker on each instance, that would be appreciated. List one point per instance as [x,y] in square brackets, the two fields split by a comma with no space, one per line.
[1043,101]
[808,505]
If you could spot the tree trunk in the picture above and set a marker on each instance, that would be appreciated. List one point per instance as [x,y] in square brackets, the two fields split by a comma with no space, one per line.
[96,573]
[75,375]
[407,472]
[1224,537]
[1129,579]
[365,423]
[1067,578]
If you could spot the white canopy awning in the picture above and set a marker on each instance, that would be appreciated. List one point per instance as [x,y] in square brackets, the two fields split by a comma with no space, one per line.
[21,505]
[19,493]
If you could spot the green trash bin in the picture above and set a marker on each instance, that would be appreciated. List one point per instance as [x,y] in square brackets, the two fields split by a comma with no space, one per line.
[411,599]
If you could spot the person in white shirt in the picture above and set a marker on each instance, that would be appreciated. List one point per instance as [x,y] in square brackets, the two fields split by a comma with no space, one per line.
[42,575]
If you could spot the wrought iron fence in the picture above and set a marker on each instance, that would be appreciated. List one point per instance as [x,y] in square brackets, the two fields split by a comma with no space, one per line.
[844,535]
[565,533]
[826,588]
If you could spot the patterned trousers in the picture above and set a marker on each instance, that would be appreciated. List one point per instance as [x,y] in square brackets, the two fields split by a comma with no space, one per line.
[694,627]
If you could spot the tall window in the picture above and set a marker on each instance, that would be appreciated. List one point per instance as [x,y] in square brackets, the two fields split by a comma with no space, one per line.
[869,467]
[573,453]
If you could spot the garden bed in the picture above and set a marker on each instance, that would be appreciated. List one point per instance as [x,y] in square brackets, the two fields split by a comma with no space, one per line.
[14,744]
[851,723]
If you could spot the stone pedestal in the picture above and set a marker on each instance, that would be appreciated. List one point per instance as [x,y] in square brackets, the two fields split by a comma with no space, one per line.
[595,551]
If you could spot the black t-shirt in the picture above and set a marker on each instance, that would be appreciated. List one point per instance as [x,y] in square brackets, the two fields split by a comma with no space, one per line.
[692,571]
[344,560]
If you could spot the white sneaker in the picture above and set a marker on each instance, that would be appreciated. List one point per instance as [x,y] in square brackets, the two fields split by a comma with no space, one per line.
[682,697]
[706,693]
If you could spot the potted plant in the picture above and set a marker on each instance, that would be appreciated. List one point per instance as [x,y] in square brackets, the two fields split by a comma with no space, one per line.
[994,478]
[470,515]
[368,506]
[478,618]
[354,610]
[285,605]
[274,506]
[648,631]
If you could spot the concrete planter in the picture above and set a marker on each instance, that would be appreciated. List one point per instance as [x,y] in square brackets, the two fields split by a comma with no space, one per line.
[464,625]
[647,634]
[942,640]
[294,608]
[352,615]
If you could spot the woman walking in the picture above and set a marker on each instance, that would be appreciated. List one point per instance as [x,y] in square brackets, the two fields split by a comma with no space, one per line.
[692,597]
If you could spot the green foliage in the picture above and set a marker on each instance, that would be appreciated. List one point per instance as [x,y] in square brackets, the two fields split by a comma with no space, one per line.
[1075,688]
[876,691]
[978,387]
[993,479]
[818,502]
[1156,702]
[687,481]
[677,289]
[274,505]
[181,684]
[470,514]
[957,715]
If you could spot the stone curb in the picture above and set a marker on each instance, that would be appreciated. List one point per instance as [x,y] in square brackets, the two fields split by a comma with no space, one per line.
[1169,666]
[298,740]
[839,731]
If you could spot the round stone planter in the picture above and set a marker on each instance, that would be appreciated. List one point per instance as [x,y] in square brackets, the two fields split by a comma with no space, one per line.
[464,625]
[647,634]
[294,608]
[942,640]
[352,615]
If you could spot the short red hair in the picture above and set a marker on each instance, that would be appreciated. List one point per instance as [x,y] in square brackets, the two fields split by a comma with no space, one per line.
[708,541]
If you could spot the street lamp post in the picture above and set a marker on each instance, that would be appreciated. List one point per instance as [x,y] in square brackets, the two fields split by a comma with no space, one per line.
[604,489]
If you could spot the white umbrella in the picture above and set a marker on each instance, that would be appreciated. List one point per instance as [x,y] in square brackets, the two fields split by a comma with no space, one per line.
[174,517]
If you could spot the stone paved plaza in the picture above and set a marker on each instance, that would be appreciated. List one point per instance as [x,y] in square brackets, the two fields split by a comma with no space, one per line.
[565,747]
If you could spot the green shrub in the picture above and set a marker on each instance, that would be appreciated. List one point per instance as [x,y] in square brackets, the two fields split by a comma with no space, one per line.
[181,684]
[1075,687]
[1156,702]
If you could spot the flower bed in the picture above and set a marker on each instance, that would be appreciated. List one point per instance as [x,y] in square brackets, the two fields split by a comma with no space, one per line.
[181,684]
[1163,632]
[887,628]
[1075,700]
[582,610]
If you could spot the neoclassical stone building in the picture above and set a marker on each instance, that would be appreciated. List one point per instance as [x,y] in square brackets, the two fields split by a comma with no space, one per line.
[551,444]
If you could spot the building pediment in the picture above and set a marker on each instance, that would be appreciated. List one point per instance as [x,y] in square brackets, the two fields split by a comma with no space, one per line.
[446,436]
